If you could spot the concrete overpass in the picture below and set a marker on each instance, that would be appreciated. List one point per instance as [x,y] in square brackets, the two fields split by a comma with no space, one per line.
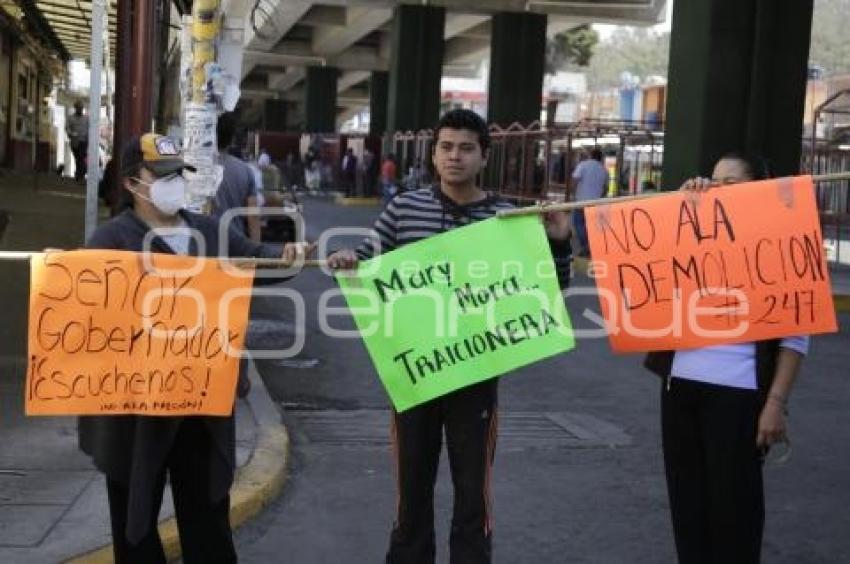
[310,64]
[737,72]
[354,41]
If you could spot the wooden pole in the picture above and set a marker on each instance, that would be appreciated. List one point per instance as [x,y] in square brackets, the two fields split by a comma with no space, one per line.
[550,207]
[240,262]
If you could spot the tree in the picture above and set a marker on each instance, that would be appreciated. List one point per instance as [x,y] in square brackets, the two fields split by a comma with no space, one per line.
[643,52]
[830,47]
[572,47]
[638,51]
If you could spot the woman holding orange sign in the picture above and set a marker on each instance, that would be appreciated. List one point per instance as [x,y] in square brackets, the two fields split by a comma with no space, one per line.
[722,408]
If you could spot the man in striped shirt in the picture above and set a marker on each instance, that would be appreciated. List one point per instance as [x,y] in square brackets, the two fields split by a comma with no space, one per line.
[468,415]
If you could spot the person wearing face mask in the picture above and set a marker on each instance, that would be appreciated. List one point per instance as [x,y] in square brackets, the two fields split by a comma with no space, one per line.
[722,407]
[137,453]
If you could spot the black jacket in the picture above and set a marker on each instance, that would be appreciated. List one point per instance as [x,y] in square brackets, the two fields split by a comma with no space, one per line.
[767,352]
[132,449]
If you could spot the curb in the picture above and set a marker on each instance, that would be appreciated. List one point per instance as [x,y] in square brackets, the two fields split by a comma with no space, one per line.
[346,201]
[255,485]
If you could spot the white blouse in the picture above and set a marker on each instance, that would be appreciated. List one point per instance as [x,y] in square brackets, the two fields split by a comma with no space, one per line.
[727,365]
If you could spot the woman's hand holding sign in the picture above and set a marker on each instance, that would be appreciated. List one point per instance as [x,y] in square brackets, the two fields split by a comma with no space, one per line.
[698,184]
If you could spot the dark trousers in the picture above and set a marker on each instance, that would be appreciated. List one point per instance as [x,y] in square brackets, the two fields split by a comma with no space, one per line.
[204,525]
[470,421]
[580,226]
[349,179]
[714,472]
[79,149]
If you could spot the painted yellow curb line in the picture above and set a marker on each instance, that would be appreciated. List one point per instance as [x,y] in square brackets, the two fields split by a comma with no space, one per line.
[842,303]
[343,201]
[262,479]
[256,484]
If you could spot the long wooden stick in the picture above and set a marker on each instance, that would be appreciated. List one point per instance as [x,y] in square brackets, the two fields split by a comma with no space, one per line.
[246,262]
[239,262]
[550,207]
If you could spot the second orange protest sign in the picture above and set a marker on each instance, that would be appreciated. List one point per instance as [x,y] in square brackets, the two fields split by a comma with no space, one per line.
[736,264]
[114,332]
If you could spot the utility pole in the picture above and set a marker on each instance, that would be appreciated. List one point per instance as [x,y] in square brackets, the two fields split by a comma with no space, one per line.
[209,85]
[200,114]
[133,71]
[98,18]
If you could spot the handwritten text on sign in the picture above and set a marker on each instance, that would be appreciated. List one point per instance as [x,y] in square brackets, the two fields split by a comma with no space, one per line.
[736,264]
[459,308]
[115,332]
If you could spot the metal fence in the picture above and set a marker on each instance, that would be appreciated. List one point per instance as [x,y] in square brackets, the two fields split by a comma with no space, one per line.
[833,198]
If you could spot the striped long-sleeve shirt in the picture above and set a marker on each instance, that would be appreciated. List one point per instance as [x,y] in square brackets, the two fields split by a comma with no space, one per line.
[417,215]
[423,213]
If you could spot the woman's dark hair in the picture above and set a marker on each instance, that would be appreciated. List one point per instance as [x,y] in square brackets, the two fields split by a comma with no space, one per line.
[465,119]
[757,166]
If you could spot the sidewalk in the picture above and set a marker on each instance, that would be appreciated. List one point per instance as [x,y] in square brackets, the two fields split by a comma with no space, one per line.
[53,504]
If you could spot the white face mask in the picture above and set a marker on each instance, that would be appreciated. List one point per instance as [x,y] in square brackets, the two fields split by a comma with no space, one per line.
[168,195]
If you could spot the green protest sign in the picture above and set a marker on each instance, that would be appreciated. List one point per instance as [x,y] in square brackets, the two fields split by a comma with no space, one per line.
[459,308]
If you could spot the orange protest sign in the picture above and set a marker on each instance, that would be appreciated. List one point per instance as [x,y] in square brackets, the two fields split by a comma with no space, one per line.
[115,332]
[736,264]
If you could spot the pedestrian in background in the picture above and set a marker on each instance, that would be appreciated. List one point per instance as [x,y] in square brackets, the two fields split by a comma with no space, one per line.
[349,171]
[389,174]
[77,128]
[369,167]
[264,159]
[590,179]
[238,188]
